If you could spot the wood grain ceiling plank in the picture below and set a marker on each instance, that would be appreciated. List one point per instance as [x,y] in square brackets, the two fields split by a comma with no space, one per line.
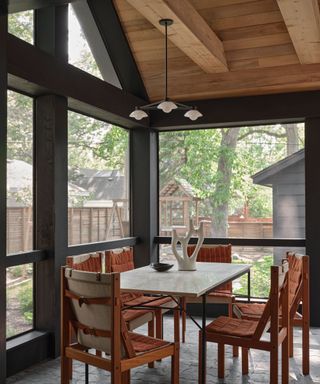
[282,78]
[302,18]
[246,21]
[252,53]
[239,10]
[253,31]
[256,42]
[265,62]
[190,32]
[203,4]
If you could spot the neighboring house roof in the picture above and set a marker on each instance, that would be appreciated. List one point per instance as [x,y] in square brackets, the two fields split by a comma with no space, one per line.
[103,185]
[177,185]
[19,179]
[266,176]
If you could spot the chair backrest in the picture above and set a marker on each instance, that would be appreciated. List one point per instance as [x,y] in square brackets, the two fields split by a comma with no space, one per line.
[299,273]
[119,260]
[90,262]
[214,254]
[278,302]
[95,311]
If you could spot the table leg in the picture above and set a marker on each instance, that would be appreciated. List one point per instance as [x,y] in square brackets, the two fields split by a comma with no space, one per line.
[204,343]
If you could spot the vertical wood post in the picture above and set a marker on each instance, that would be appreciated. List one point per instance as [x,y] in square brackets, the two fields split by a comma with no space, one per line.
[3,189]
[312,160]
[51,177]
[144,186]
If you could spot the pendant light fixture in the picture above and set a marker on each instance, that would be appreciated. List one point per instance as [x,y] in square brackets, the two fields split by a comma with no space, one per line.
[166,105]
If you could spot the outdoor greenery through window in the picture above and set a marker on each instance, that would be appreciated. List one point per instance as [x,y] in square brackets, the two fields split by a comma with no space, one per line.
[98,184]
[80,54]
[19,211]
[246,182]
[21,25]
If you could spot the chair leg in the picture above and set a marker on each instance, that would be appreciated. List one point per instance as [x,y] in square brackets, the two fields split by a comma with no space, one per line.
[65,370]
[183,303]
[245,360]
[159,329]
[125,377]
[285,360]
[176,320]
[175,365]
[305,347]
[290,335]
[235,351]
[220,361]
[274,357]
[151,334]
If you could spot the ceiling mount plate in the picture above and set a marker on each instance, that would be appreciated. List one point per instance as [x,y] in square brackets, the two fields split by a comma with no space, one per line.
[166,22]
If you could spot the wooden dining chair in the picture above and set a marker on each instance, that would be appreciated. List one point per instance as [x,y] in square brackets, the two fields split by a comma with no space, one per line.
[135,318]
[298,296]
[248,334]
[121,260]
[222,295]
[91,306]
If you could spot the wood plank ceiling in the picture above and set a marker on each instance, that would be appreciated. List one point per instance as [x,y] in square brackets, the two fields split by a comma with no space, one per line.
[267,48]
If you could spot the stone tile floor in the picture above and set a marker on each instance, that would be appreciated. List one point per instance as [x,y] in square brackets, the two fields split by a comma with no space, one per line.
[48,372]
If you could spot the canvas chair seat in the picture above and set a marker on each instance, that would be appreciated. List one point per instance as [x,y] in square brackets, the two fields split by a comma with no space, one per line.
[232,327]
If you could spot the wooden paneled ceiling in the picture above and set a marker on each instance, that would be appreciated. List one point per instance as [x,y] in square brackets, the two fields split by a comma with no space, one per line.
[225,48]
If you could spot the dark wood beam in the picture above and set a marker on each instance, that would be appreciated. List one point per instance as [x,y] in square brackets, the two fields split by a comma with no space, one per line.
[3,191]
[51,178]
[251,110]
[34,71]
[117,46]
[25,5]
[312,160]
[144,192]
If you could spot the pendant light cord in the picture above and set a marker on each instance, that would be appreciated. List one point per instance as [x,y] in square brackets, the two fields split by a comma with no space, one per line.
[166,62]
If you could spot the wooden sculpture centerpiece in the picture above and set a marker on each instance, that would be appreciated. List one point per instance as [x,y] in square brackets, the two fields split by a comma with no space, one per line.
[185,262]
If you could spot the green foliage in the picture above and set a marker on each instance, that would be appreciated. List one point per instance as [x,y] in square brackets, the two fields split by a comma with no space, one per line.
[21,25]
[16,271]
[260,278]
[25,297]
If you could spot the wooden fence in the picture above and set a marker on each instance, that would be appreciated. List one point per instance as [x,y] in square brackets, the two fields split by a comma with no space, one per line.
[85,225]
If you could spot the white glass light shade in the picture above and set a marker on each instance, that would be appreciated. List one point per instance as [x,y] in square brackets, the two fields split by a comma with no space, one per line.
[167,106]
[193,114]
[138,114]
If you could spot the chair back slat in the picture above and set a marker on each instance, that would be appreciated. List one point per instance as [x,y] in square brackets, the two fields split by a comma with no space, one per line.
[119,260]
[87,262]
[97,322]
[295,261]
[214,254]
[278,294]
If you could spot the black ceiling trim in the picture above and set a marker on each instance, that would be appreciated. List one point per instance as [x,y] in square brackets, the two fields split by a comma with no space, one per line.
[25,5]
[248,110]
[114,38]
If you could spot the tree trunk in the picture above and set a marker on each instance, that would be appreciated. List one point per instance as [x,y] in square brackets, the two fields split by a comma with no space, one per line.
[292,138]
[221,196]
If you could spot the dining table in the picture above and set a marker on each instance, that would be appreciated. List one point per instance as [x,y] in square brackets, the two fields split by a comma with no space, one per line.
[175,283]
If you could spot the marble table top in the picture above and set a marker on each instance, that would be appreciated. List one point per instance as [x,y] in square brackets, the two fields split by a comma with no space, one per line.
[181,283]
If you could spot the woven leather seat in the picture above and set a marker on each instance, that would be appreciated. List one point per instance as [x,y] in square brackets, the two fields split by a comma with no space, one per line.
[143,343]
[233,327]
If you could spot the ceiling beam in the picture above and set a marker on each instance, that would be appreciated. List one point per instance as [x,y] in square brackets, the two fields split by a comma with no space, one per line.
[189,32]
[25,5]
[302,18]
[35,72]
[116,44]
